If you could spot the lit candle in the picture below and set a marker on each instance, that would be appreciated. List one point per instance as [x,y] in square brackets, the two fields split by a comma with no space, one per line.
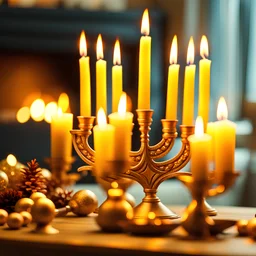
[103,135]
[144,64]
[189,84]
[225,140]
[101,78]
[85,79]
[211,131]
[61,140]
[117,77]
[204,81]
[173,79]
[122,121]
[200,145]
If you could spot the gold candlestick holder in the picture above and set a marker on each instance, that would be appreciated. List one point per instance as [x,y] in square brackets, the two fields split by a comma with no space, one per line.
[195,219]
[143,167]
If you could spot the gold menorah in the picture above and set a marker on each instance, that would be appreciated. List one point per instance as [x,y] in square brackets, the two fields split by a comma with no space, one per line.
[143,168]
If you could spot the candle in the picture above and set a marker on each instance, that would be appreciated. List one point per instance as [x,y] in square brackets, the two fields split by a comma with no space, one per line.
[101,78]
[173,79]
[117,77]
[103,135]
[122,121]
[200,144]
[144,64]
[61,140]
[204,82]
[85,79]
[210,130]
[189,84]
[225,140]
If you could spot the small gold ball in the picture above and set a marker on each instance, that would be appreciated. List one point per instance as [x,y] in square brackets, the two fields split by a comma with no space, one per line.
[37,195]
[3,180]
[43,211]
[27,217]
[15,221]
[241,226]
[251,227]
[3,216]
[24,204]
[83,202]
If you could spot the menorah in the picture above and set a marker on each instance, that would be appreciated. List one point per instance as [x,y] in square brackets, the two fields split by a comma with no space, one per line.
[143,167]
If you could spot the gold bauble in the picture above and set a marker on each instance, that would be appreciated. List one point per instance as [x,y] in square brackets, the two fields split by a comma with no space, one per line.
[241,226]
[24,204]
[3,216]
[251,227]
[3,180]
[83,202]
[27,217]
[43,211]
[37,195]
[15,221]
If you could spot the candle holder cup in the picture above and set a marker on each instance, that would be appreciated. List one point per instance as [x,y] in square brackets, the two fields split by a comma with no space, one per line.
[143,167]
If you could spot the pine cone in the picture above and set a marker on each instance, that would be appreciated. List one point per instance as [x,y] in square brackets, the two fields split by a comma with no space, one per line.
[8,199]
[61,197]
[33,180]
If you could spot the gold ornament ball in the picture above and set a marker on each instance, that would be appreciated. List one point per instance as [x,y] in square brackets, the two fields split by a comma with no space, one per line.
[43,211]
[15,221]
[3,216]
[83,202]
[37,195]
[24,204]
[3,180]
[251,227]
[241,226]
[27,217]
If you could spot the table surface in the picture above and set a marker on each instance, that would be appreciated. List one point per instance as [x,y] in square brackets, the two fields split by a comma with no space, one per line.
[82,236]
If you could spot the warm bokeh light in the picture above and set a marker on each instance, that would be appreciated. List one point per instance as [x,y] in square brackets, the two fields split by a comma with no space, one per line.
[83,46]
[204,49]
[63,102]
[145,23]
[37,110]
[199,128]
[174,51]
[59,112]
[122,104]
[101,118]
[117,54]
[222,110]
[100,54]
[11,160]
[151,215]
[23,115]
[50,110]
[114,184]
[191,51]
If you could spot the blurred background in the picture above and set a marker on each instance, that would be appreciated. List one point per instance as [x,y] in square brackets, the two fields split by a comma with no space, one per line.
[39,56]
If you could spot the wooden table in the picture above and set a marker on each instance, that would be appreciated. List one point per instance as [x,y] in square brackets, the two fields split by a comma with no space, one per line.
[82,236]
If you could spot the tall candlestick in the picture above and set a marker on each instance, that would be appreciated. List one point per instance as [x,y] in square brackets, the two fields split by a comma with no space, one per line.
[189,84]
[122,121]
[173,80]
[61,139]
[144,64]
[117,77]
[101,78]
[200,145]
[224,142]
[204,81]
[85,79]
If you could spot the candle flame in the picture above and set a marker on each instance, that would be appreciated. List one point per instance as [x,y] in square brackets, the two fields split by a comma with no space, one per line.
[174,51]
[151,215]
[204,49]
[101,118]
[11,160]
[100,54]
[222,110]
[63,102]
[199,129]
[191,51]
[114,184]
[117,53]
[59,112]
[83,46]
[145,23]
[122,104]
